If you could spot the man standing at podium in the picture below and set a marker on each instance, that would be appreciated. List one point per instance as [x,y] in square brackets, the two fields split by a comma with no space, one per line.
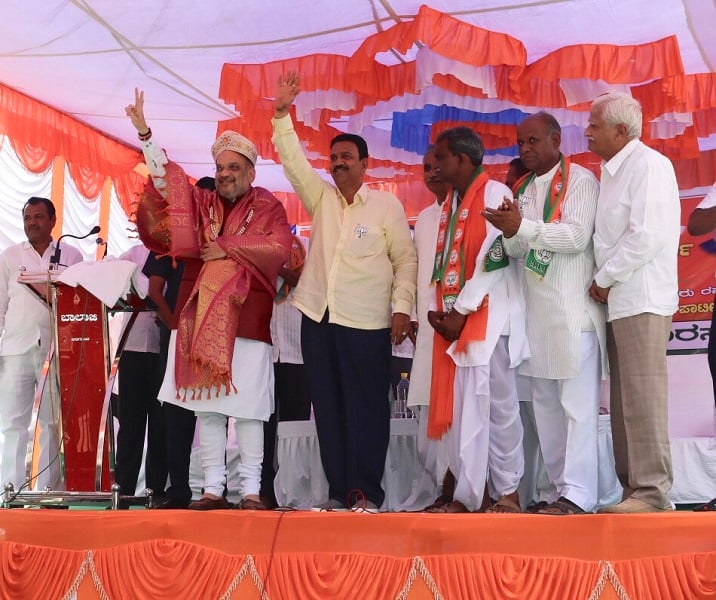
[24,342]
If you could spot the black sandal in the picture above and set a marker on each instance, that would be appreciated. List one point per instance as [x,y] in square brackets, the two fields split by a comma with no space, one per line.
[561,507]
[706,507]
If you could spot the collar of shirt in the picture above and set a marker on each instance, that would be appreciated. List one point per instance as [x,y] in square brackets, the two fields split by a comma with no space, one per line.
[26,245]
[546,177]
[360,196]
[616,161]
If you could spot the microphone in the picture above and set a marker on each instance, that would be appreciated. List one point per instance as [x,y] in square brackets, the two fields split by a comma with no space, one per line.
[55,258]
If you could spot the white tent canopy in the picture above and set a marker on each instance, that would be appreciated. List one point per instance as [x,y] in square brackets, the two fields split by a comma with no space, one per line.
[85,57]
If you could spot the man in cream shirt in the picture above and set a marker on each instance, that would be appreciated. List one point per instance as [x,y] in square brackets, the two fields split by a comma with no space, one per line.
[362,261]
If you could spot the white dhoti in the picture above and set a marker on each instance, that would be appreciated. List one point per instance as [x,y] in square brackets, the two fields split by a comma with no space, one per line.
[251,403]
[506,459]
[486,431]
[567,416]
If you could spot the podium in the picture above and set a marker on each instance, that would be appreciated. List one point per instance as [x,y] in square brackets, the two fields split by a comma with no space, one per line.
[82,365]
[79,367]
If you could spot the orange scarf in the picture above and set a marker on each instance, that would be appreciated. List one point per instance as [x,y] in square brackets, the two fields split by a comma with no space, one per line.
[466,238]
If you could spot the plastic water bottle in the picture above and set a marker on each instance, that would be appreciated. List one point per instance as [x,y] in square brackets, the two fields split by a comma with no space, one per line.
[401,400]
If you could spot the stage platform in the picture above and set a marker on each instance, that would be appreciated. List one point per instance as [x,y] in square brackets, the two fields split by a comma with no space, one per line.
[137,554]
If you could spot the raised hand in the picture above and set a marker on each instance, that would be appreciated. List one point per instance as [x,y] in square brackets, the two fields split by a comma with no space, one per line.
[287,88]
[136,112]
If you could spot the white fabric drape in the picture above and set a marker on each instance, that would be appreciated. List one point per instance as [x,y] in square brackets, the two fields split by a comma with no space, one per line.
[17,184]
[300,480]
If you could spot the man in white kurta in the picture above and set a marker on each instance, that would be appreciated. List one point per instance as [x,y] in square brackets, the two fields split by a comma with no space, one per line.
[485,425]
[565,327]
[424,236]
[24,343]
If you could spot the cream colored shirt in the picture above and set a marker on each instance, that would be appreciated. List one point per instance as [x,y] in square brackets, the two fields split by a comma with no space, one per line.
[362,257]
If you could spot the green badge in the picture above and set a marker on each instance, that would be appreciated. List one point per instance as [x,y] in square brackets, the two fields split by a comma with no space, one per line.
[496,257]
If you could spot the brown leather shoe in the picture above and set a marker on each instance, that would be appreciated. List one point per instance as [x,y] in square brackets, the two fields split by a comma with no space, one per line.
[206,503]
[249,504]
[632,506]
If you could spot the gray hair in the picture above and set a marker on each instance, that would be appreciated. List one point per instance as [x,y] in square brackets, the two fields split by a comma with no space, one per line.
[620,109]
[463,140]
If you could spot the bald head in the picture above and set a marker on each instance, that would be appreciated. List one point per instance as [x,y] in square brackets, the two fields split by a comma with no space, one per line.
[538,140]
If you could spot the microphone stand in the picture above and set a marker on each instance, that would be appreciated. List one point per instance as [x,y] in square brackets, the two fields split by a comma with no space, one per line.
[55,258]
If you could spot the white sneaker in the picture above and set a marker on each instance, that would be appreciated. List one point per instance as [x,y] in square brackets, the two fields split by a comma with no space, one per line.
[330,505]
[365,507]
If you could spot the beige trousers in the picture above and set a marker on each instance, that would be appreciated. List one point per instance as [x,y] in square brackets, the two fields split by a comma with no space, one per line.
[639,411]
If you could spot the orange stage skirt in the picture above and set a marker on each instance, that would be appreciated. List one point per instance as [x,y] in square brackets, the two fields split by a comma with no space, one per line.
[141,554]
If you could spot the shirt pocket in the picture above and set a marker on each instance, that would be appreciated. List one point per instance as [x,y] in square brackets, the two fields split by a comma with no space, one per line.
[367,240]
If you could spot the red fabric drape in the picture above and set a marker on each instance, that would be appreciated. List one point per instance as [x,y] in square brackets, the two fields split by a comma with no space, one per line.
[35,158]
[517,84]
[39,133]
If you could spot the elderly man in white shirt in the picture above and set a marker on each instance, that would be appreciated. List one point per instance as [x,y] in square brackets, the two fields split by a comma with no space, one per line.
[24,343]
[636,241]
[550,226]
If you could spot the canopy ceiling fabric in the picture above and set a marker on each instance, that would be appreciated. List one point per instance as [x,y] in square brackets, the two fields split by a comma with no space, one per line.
[393,71]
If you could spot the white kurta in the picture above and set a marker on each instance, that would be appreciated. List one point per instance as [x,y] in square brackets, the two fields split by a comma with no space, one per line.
[506,303]
[426,233]
[558,306]
[24,342]
[486,434]
[286,326]
[252,376]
